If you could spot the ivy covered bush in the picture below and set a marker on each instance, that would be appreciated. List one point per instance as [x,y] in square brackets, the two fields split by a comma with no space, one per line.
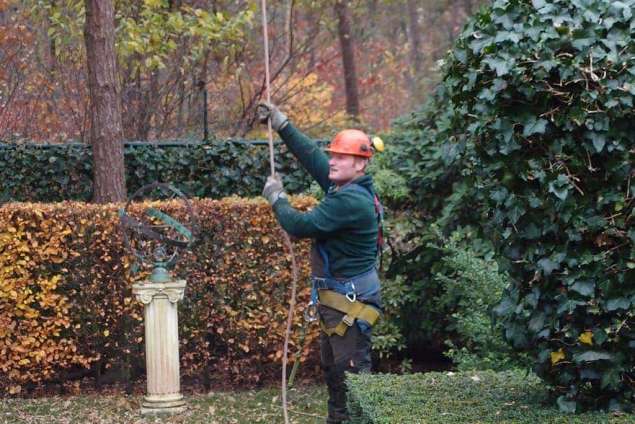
[530,139]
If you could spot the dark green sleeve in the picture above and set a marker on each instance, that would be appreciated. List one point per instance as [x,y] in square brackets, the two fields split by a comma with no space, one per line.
[312,158]
[334,212]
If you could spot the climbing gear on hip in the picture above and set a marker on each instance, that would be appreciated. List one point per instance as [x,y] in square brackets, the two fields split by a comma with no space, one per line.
[353,310]
[357,298]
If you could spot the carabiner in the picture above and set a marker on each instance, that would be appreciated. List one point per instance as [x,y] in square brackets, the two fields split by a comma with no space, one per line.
[351,295]
[311,312]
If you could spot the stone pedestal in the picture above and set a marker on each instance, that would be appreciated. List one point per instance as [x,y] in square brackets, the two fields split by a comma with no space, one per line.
[162,345]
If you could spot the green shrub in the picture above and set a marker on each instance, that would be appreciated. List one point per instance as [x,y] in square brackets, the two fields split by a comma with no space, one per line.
[437,202]
[473,286]
[215,169]
[465,397]
[529,139]
[387,336]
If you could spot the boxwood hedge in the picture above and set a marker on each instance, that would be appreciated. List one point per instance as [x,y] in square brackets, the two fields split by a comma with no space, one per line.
[215,169]
[466,397]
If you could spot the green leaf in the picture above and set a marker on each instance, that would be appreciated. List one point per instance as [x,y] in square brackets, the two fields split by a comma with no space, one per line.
[592,356]
[598,140]
[537,322]
[548,266]
[618,303]
[560,191]
[501,66]
[582,43]
[505,307]
[565,405]
[611,378]
[499,195]
[585,288]
[599,336]
[535,126]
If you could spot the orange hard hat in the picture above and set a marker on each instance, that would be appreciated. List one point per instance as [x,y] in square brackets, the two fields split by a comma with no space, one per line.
[351,142]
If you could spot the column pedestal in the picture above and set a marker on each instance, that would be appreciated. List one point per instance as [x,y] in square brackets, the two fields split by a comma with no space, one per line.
[162,345]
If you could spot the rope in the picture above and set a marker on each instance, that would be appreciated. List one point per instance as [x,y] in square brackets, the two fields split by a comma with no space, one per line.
[285,350]
[298,356]
[267,79]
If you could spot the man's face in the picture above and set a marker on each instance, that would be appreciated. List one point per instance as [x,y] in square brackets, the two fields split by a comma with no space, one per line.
[345,168]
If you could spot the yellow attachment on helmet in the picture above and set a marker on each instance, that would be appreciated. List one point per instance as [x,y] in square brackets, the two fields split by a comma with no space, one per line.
[378,144]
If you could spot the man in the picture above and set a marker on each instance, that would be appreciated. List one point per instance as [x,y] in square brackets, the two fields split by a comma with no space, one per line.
[345,227]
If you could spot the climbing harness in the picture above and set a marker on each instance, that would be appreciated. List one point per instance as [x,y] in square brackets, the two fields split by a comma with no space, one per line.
[353,310]
[379,213]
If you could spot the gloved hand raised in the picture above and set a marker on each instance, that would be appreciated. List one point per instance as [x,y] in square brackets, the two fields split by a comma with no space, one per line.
[266,110]
[273,190]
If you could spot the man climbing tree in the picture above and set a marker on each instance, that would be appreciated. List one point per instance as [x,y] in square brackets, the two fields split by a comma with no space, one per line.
[346,229]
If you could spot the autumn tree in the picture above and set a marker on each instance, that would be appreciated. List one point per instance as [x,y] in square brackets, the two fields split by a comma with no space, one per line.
[170,52]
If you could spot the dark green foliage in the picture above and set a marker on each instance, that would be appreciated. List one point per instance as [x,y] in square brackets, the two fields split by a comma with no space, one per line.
[530,139]
[473,286]
[216,169]
[465,397]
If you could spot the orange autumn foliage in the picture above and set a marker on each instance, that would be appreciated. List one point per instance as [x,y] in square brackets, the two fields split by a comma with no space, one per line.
[66,300]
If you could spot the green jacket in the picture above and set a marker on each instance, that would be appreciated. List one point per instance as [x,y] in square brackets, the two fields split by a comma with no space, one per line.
[344,222]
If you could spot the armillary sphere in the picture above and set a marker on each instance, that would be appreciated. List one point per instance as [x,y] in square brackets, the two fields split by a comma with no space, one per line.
[151,234]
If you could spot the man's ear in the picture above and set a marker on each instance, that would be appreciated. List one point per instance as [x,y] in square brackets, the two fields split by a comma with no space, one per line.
[360,164]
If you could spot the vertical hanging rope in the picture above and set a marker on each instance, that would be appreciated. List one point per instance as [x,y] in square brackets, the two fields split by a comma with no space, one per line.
[285,350]
[267,79]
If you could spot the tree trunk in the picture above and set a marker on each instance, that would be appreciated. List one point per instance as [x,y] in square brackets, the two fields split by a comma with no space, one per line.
[469,7]
[52,48]
[181,102]
[348,58]
[414,33]
[106,132]
[146,107]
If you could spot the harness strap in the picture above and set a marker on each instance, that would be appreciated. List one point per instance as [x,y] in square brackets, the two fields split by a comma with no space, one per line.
[353,310]
[379,213]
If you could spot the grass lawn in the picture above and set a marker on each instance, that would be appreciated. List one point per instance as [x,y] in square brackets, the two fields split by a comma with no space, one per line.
[480,397]
[307,404]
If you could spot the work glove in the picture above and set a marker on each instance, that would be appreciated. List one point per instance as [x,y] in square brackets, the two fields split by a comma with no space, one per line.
[273,190]
[266,110]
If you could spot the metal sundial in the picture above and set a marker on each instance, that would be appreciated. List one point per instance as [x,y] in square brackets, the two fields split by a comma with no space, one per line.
[153,236]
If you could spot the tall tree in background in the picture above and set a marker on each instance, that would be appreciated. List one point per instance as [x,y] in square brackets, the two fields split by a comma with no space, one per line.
[348,58]
[106,132]
[416,60]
